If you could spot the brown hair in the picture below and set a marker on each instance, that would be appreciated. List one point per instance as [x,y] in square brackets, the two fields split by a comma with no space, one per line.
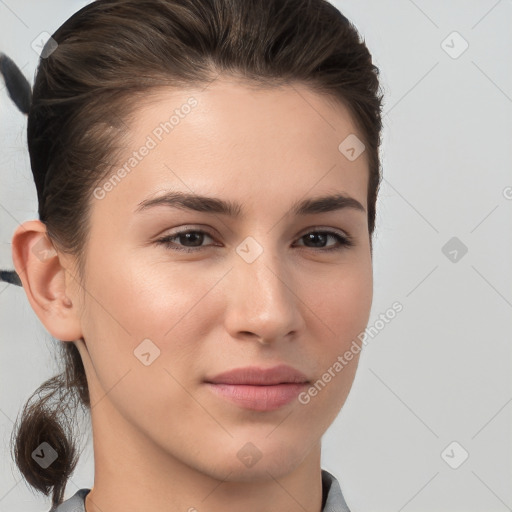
[108,56]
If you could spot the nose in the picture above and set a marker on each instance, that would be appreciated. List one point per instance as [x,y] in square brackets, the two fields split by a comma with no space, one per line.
[262,303]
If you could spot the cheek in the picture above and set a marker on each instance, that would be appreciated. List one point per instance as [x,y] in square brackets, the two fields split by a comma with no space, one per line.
[343,299]
[341,308]
[143,298]
[126,306]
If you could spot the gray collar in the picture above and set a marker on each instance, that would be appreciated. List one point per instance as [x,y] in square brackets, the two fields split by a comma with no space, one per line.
[331,492]
[335,501]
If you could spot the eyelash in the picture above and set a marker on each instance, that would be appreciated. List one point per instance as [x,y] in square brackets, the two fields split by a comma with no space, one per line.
[345,241]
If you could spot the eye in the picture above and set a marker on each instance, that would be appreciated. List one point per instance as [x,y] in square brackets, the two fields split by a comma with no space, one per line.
[193,238]
[321,237]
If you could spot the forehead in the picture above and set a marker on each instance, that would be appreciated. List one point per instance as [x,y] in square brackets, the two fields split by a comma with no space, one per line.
[243,141]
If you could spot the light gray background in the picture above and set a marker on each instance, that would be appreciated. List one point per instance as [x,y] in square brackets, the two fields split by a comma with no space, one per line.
[441,370]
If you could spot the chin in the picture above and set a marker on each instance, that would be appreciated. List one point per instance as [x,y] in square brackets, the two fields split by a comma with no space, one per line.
[258,460]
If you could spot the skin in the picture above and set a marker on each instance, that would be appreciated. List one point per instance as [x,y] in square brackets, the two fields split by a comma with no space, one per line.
[162,440]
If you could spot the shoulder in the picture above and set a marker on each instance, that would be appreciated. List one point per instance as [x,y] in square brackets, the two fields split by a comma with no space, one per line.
[74,504]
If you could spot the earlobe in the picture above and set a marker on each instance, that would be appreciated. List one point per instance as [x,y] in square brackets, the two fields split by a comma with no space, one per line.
[44,280]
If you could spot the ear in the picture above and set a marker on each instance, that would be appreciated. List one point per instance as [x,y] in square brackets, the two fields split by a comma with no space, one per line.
[48,281]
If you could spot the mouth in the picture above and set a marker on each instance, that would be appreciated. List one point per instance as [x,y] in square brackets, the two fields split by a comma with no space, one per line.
[259,389]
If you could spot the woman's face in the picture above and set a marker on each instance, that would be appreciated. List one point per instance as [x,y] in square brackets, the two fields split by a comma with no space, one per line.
[265,287]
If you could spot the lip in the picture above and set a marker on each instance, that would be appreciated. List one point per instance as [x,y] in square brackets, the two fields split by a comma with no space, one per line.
[255,376]
[259,389]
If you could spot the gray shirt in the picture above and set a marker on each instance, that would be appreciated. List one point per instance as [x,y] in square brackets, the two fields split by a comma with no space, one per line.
[331,495]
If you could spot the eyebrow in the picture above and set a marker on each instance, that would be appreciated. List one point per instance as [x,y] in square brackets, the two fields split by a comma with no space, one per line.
[198,203]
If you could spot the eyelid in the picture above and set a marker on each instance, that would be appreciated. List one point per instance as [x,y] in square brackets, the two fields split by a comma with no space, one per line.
[200,228]
[187,228]
[324,228]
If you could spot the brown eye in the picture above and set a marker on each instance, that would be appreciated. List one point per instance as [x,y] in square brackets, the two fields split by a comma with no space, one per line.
[194,237]
[319,238]
[191,240]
